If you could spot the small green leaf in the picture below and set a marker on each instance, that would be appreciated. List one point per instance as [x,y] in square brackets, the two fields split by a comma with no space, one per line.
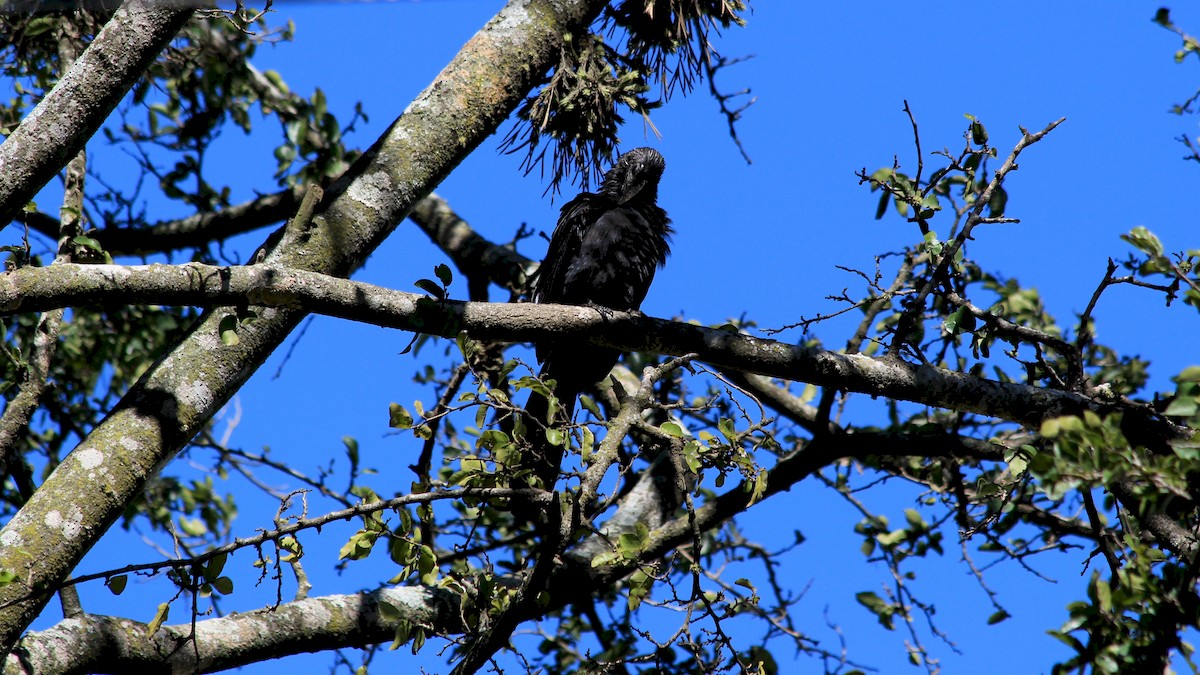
[605,558]
[998,202]
[403,632]
[213,569]
[1051,428]
[431,287]
[398,417]
[117,584]
[38,26]
[444,274]
[388,611]
[1181,407]
[997,617]
[164,611]
[725,426]
[224,585]
[883,204]
[979,135]
[228,330]
[589,404]
[1189,374]
[193,527]
[892,538]
[89,243]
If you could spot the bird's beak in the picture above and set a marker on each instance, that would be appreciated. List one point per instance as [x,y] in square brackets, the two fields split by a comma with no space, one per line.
[632,188]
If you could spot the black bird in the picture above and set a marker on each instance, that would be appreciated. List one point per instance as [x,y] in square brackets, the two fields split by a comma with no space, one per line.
[603,253]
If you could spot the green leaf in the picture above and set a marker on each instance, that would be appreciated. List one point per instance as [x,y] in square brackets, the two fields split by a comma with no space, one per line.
[418,640]
[672,429]
[951,323]
[914,518]
[193,527]
[388,611]
[587,444]
[228,330]
[403,633]
[1051,427]
[215,564]
[117,584]
[997,617]
[224,585]
[473,464]
[427,565]
[351,449]
[878,606]
[590,405]
[444,274]
[1189,374]
[1103,594]
[398,417]
[1145,241]
[932,246]
[979,135]
[883,204]
[725,426]
[1018,464]
[1181,407]
[164,611]
[629,545]
[38,26]
[431,287]
[605,558]
[88,243]
[998,202]
[892,538]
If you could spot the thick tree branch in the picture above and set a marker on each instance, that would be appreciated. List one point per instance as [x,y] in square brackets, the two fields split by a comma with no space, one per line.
[75,108]
[102,644]
[201,228]
[179,395]
[36,289]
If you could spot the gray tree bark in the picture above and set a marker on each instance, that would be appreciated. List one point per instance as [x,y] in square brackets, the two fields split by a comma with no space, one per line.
[73,111]
[481,86]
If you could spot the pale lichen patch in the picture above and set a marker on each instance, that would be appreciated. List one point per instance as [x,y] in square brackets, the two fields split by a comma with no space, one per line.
[196,395]
[10,538]
[370,190]
[207,340]
[70,526]
[89,458]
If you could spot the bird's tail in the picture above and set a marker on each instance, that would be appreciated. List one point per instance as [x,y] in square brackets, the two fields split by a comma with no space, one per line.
[544,457]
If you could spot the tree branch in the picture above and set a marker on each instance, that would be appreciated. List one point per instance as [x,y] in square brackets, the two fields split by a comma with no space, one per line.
[103,644]
[85,494]
[75,108]
[37,289]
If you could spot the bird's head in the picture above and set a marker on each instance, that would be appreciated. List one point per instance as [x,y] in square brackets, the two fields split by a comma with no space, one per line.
[634,176]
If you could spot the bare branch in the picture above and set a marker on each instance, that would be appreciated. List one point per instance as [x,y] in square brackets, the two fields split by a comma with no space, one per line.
[45,288]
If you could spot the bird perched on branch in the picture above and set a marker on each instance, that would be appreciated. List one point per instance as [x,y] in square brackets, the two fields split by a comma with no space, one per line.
[603,253]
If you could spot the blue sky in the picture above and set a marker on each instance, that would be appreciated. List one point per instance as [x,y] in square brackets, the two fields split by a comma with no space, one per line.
[763,240]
